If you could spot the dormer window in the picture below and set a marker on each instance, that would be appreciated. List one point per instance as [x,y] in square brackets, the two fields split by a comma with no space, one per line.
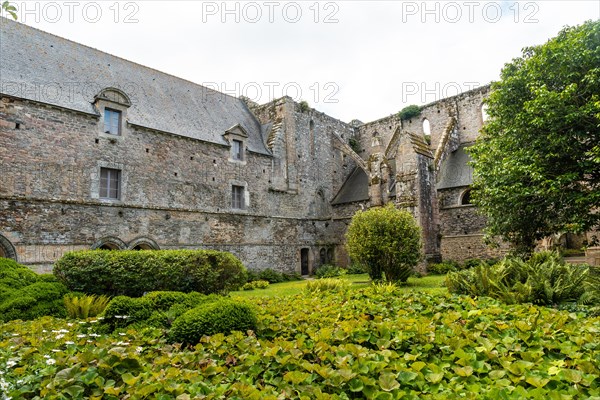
[112,121]
[238,150]
[237,137]
[112,105]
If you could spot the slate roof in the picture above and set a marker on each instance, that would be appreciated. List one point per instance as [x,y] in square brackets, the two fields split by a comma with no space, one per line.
[355,188]
[454,171]
[39,66]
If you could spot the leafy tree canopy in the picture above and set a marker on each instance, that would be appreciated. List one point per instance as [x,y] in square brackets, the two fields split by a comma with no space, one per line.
[537,162]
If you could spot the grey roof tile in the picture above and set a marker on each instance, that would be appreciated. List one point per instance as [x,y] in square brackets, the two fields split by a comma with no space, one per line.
[355,188]
[39,66]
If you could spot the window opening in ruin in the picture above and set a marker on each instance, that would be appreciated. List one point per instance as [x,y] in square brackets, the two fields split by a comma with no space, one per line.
[426,127]
[466,198]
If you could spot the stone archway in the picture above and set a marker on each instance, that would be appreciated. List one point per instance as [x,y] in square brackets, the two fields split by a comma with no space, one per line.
[143,243]
[7,250]
[109,243]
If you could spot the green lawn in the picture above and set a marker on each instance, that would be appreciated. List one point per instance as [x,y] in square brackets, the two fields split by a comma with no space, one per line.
[429,284]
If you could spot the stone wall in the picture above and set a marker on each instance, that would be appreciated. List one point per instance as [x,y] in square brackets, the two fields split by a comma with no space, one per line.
[176,191]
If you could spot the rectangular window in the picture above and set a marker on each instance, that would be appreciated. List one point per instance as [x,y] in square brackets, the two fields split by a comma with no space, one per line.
[237,197]
[112,121]
[110,183]
[238,150]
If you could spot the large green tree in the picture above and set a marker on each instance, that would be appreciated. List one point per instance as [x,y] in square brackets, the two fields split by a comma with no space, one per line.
[537,161]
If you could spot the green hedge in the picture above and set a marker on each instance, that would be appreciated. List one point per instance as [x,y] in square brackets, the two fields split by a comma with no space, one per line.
[26,295]
[218,317]
[133,273]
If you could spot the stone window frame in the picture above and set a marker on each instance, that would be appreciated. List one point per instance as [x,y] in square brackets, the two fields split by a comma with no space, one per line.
[426,132]
[245,195]
[7,248]
[112,99]
[109,188]
[234,134]
[143,243]
[112,242]
[461,198]
[119,114]
[95,182]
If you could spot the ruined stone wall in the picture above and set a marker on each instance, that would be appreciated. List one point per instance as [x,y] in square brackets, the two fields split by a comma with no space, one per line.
[461,229]
[176,191]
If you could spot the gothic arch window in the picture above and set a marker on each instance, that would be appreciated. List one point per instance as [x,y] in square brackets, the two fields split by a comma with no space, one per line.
[109,243]
[426,127]
[465,198]
[143,243]
[484,114]
[7,250]
[323,256]
[330,256]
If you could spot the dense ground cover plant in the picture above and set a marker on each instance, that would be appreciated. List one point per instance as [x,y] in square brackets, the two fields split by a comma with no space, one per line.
[27,295]
[386,241]
[133,273]
[544,279]
[354,344]
[326,285]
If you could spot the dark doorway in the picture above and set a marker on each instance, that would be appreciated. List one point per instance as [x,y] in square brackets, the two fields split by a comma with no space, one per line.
[304,261]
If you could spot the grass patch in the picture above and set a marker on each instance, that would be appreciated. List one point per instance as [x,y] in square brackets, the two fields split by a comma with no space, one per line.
[428,284]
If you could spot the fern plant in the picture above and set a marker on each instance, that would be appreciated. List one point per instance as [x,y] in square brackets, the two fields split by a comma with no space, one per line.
[544,279]
[83,306]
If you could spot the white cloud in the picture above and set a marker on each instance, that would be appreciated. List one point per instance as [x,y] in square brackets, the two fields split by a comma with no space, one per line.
[370,60]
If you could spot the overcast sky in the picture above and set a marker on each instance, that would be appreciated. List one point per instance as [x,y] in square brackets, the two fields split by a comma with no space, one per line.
[349,59]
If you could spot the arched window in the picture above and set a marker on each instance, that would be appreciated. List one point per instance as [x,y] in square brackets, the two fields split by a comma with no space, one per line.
[465,198]
[143,243]
[109,243]
[484,114]
[426,127]
[330,256]
[7,250]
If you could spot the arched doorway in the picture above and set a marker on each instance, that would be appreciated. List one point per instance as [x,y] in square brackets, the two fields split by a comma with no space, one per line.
[304,264]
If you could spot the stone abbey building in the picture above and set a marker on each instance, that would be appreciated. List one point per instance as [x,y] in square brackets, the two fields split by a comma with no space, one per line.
[99,152]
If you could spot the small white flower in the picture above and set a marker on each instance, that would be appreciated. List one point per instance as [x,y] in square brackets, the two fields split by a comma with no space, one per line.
[64,331]
[93,321]
[47,356]
[51,361]
[70,324]
[100,318]
[122,334]
[15,334]
[43,330]
[90,341]
[54,351]
[81,336]
[82,322]
[69,342]
[139,349]
[10,363]
[60,336]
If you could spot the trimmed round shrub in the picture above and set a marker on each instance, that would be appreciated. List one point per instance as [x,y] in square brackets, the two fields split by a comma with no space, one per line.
[157,309]
[14,275]
[133,273]
[34,301]
[386,241]
[220,317]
